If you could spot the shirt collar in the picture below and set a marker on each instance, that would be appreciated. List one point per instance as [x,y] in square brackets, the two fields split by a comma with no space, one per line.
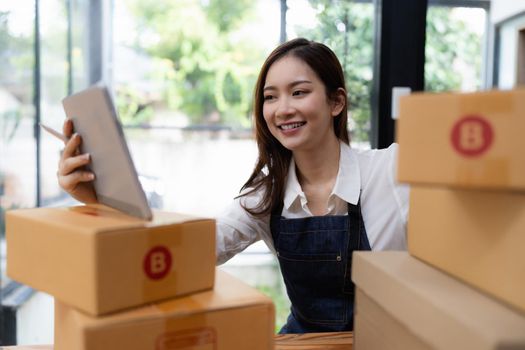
[293,189]
[347,184]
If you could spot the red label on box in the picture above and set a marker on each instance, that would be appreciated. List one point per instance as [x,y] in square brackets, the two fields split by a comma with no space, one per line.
[472,136]
[157,262]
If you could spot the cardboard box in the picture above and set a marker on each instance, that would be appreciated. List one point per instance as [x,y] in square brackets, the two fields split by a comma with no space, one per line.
[377,329]
[232,316]
[478,237]
[469,140]
[100,260]
[403,303]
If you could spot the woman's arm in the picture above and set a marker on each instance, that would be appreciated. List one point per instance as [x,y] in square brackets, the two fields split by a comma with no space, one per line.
[237,229]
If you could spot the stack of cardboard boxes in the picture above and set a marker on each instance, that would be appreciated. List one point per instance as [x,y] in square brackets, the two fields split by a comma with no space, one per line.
[124,283]
[463,156]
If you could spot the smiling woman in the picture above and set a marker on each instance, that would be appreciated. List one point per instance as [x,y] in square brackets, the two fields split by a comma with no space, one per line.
[279,99]
[299,114]
[310,197]
[298,110]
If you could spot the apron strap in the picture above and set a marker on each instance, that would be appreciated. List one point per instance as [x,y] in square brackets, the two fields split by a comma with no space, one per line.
[354,241]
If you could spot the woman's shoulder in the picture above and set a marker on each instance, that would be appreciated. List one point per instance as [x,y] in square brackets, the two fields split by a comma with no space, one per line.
[372,158]
[370,153]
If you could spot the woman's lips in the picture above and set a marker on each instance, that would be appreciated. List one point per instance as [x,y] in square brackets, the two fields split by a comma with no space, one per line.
[291,126]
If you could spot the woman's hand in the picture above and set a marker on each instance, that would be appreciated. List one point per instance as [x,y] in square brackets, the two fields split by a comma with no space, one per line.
[72,177]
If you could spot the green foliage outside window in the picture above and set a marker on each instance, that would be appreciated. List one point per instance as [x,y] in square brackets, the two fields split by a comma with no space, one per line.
[134,109]
[448,41]
[17,64]
[205,68]
[208,69]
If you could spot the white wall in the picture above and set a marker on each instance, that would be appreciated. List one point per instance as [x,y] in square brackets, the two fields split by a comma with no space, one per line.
[503,9]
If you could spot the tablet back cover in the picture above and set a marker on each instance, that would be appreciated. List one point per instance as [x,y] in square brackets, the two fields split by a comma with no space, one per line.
[116,180]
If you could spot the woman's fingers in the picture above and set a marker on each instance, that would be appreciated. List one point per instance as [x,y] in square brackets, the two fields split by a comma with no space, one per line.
[72,146]
[69,175]
[67,128]
[72,178]
[69,165]
[69,182]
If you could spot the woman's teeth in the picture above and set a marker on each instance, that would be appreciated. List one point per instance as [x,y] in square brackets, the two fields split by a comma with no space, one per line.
[291,126]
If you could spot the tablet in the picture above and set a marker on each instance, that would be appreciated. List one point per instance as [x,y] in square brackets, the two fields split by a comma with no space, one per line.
[116,181]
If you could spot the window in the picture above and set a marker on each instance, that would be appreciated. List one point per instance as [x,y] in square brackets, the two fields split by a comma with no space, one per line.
[510,52]
[36,73]
[53,87]
[17,144]
[455,46]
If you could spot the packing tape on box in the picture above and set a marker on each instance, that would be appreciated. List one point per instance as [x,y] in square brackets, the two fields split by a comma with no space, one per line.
[192,331]
[186,329]
[472,171]
[158,266]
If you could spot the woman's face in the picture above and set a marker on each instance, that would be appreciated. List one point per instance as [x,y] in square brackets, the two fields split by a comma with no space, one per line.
[296,108]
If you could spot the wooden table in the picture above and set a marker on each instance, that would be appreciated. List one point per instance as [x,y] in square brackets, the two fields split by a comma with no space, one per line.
[314,341]
[310,341]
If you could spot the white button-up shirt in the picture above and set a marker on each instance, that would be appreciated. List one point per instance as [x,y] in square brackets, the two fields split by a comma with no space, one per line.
[371,173]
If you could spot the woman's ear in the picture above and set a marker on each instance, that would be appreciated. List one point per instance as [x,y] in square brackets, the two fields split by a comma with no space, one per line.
[338,102]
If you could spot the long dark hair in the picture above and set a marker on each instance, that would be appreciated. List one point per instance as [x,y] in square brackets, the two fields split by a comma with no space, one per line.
[274,159]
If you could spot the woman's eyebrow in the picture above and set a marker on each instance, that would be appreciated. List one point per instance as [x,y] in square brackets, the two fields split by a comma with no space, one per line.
[297,82]
[292,84]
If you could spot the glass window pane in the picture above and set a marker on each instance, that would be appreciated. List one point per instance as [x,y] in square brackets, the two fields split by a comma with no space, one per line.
[55,83]
[54,86]
[17,142]
[454,47]
[79,55]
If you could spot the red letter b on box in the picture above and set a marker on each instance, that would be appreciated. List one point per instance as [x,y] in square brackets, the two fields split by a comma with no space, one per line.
[157,262]
[471,136]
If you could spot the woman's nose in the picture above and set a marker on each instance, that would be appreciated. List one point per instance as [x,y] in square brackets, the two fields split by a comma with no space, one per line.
[285,108]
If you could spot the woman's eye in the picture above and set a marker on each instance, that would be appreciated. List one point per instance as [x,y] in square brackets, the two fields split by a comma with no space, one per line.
[298,93]
[268,97]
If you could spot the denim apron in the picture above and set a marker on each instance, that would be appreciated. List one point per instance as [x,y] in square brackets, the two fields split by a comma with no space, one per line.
[315,256]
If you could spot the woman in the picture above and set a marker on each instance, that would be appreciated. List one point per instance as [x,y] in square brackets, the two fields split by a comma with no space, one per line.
[311,198]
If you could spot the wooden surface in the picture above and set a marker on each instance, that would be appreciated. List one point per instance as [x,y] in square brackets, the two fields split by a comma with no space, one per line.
[310,341]
[314,341]
[28,347]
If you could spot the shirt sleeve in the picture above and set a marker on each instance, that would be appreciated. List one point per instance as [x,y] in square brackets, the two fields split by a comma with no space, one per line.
[384,200]
[237,229]
[401,190]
